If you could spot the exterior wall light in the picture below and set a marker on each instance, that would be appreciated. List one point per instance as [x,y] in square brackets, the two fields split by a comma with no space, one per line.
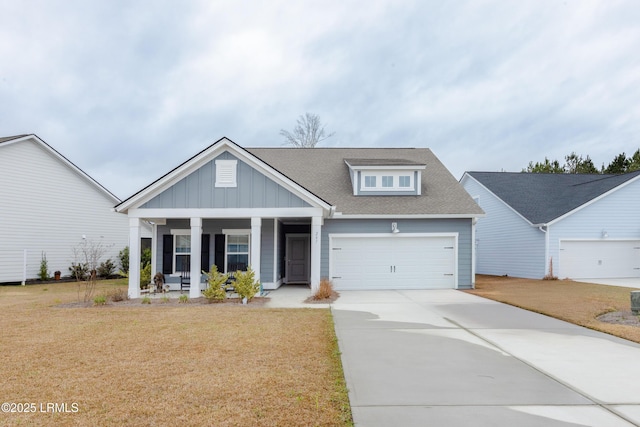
[394,228]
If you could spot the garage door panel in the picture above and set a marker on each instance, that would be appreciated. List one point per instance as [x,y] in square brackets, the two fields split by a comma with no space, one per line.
[393,262]
[599,259]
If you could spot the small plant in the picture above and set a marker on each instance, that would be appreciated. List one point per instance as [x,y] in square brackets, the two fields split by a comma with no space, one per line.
[43,274]
[123,257]
[217,289]
[164,299]
[146,300]
[145,276]
[183,299]
[550,275]
[106,268]
[79,271]
[117,295]
[100,300]
[325,290]
[246,285]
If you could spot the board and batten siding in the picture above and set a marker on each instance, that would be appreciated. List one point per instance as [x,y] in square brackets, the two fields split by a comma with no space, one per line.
[383,226]
[505,242]
[617,214]
[46,207]
[253,190]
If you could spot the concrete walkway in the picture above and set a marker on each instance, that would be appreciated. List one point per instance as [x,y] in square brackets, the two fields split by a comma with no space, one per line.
[447,358]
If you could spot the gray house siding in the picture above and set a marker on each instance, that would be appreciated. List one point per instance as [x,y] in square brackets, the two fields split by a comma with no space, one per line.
[254,190]
[383,226]
[506,244]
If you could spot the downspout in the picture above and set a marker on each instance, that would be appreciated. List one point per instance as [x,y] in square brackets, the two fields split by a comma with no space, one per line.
[545,229]
[473,252]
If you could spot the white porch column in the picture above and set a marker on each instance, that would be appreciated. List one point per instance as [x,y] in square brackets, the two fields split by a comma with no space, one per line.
[256,227]
[134,258]
[316,240]
[196,250]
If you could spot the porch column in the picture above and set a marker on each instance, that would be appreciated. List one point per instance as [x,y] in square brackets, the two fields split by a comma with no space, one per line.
[316,240]
[256,227]
[134,258]
[196,249]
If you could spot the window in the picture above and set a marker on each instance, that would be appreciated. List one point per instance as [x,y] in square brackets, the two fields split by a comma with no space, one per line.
[387,181]
[237,252]
[370,181]
[405,181]
[226,173]
[182,252]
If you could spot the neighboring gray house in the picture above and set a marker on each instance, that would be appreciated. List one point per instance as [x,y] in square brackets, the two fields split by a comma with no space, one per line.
[587,224]
[47,205]
[382,218]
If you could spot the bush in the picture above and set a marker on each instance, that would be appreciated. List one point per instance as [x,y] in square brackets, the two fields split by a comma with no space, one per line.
[217,289]
[146,300]
[43,274]
[183,299]
[106,268]
[245,284]
[123,257]
[118,294]
[164,299]
[325,290]
[100,300]
[145,276]
[79,271]
[145,257]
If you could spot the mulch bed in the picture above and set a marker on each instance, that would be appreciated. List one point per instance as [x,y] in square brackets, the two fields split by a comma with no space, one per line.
[311,300]
[620,318]
[170,302]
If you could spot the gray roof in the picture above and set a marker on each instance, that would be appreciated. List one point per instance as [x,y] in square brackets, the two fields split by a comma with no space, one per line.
[543,197]
[382,162]
[323,172]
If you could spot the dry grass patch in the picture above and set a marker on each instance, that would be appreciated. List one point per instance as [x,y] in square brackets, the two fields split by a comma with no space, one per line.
[575,302]
[228,365]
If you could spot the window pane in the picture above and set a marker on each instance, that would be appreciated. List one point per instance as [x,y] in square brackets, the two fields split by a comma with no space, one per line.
[387,181]
[369,181]
[237,243]
[183,244]
[183,262]
[237,262]
[405,181]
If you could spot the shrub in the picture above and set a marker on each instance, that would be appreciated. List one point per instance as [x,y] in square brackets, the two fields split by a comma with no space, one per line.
[145,276]
[217,289]
[145,257]
[183,299]
[164,299]
[146,300]
[325,290]
[123,257]
[100,300]
[118,294]
[245,284]
[79,271]
[106,268]
[43,274]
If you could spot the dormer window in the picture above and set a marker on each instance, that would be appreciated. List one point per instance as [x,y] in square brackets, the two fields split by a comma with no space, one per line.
[380,177]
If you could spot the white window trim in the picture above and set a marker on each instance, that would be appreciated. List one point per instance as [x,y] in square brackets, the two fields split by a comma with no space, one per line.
[236,232]
[396,181]
[226,173]
[174,233]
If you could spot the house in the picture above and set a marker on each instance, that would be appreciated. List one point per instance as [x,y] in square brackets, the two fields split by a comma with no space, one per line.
[584,226]
[47,207]
[365,218]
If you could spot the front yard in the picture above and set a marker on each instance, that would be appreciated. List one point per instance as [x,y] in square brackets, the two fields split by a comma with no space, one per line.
[166,365]
[575,302]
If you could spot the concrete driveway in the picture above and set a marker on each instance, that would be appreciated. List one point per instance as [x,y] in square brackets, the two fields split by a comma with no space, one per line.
[447,358]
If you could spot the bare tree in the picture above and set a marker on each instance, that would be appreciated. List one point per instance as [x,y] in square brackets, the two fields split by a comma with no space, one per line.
[307,133]
[86,259]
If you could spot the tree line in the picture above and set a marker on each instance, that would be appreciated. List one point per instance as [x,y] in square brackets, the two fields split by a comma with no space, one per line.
[574,163]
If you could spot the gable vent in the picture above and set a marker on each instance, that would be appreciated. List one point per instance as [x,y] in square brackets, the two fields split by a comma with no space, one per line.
[226,173]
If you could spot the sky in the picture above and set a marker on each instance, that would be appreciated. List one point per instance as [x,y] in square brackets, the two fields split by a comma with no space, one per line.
[127,90]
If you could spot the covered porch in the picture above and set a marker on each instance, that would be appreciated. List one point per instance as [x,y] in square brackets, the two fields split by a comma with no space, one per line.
[280,245]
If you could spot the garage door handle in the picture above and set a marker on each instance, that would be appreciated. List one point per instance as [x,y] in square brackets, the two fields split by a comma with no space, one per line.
[448,274]
[336,277]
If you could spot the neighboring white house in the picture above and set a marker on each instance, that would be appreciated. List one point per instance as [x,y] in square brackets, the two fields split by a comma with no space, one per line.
[366,218]
[48,206]
[587,224]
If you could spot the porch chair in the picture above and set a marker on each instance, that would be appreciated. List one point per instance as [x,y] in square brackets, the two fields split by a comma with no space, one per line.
[185,280]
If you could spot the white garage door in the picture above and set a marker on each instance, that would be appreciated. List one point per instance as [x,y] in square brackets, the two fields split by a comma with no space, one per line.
[582,259]
[393,262]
